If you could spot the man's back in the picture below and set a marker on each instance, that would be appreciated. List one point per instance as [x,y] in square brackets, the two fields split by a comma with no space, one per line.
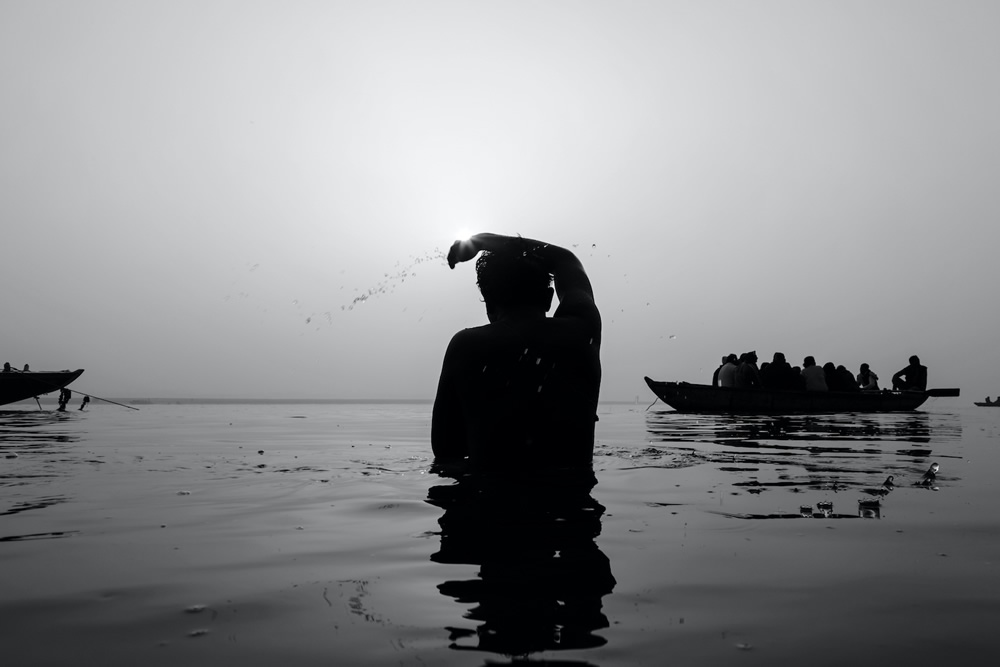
[747,376]
[778,375]
[916,376]
[815,378]
[527,393]
[727,375]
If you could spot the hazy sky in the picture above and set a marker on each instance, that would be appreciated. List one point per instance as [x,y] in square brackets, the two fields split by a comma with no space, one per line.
[193,194]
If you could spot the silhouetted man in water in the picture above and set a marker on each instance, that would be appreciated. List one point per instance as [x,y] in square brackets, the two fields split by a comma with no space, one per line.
[517,400]
[521,392]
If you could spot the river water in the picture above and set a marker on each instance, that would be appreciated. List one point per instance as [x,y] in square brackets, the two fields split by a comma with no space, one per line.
[320,533]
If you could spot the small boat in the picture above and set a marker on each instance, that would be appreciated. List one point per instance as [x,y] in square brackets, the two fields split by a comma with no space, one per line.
[994,404]
[695,398]
[18,385]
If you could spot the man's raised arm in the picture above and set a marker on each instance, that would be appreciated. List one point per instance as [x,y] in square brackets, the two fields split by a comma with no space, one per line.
[573,288]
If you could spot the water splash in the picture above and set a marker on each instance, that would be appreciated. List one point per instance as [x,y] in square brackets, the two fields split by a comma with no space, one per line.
[390,282]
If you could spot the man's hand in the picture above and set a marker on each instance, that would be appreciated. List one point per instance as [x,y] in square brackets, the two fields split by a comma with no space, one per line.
[465,249]
[461,250]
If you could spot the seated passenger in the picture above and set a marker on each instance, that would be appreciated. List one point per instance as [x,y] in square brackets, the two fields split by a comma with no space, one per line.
[727,374]
[715,375]
[813,376]
[830,375]
[747,375]
[845,380]
[911,378]
[800,382]
[867,380]
[778,374]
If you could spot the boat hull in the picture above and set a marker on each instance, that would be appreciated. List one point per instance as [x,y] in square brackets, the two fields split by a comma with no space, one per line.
[700,398]
[17,386]
[995,404]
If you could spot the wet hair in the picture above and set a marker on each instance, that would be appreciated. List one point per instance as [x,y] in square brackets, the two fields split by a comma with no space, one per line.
[512,278]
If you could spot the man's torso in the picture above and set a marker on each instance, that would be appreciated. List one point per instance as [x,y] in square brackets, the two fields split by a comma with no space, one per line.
[530,390]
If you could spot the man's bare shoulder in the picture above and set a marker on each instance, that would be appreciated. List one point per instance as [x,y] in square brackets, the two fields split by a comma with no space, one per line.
[467,340]
[471,335]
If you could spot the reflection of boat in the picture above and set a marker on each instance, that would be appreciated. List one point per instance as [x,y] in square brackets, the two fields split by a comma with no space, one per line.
[17,385]
[684,397]
[994,404]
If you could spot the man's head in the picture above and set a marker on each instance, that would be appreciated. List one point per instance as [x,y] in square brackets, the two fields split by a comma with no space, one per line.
[915,360]
[513,281]
[809,361]
[864,368]
[779,358]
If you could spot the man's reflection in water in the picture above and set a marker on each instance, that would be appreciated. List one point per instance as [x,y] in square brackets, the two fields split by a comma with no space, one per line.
[541,577]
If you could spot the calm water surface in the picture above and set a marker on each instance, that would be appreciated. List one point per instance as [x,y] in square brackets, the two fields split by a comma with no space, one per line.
[320,534]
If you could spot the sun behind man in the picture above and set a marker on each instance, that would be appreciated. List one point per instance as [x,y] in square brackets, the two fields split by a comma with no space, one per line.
[522,391]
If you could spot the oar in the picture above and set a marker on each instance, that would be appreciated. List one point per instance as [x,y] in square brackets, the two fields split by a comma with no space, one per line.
[952,391]
[106,400]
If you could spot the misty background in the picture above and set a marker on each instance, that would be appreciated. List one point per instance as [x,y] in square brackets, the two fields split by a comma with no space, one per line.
[253,199]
